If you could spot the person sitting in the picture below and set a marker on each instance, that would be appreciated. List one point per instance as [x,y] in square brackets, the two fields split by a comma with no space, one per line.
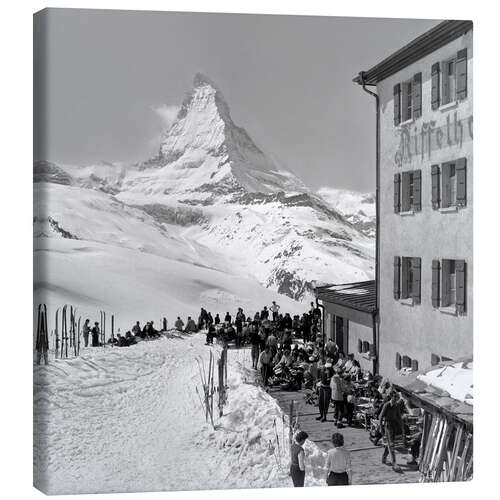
[339,365]
[348,364]
[179,324]
[190,326]
[136,329]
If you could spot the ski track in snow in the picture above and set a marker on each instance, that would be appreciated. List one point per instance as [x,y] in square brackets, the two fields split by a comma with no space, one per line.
[129,419]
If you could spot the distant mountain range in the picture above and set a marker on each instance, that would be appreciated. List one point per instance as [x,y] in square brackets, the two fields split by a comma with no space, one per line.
[220,200]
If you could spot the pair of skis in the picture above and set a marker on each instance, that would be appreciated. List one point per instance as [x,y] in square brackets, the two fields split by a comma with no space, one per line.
[42,334]
[69,338]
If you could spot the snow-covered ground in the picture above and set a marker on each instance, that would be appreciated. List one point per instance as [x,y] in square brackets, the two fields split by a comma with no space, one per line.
[129,419]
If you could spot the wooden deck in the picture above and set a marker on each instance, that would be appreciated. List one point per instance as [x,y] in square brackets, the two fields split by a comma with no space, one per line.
[366,458]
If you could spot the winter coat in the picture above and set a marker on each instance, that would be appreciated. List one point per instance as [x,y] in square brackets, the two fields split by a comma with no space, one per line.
[179,325]
[191,326]
[337,385]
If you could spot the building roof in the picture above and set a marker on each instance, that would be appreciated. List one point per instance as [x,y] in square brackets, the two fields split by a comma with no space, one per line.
[439,388]
[360,296]
[423,45]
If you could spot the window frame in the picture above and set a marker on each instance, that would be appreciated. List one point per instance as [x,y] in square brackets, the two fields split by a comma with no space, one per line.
[447,96]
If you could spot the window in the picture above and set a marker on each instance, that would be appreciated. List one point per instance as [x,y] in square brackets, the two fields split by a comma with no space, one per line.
[407,271]
[407,101]
[405,363]
[407,98]
[449,81]
[407,191]
[448,285]
[449,184]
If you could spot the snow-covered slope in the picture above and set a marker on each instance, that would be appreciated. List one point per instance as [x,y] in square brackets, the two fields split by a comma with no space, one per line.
[357,208]
[211,185]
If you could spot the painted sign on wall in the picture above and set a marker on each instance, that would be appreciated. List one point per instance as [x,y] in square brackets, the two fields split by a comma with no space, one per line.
[417,142]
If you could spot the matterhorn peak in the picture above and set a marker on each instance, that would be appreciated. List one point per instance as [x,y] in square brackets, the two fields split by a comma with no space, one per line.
[201,80]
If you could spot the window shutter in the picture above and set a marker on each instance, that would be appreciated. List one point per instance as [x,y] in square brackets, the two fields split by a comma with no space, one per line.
[435,86]
[405,191]
[461,74]
[417,190]
[366,346]
[397,104]
[435,187]
[460,276]
[417,95]
[414,365]
[445,172]
[397,195]
[445,283]
[406,362]
[360,346]
[416,271]
[434,359]
[461,177]
[435,283]
[404,277]
[372,350]
[398,361]
[397,272]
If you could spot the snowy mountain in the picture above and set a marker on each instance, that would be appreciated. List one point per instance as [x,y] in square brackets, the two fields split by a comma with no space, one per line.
[357,208]
[210,197]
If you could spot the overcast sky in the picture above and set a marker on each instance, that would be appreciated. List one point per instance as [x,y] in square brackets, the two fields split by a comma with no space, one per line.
[115,78]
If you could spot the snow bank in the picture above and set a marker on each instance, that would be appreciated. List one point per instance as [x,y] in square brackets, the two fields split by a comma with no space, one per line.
[129,419]
[455,379]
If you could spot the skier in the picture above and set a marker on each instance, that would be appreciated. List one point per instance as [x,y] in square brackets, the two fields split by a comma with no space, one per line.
[391,419]
[210,334]
[217,319]
[325,392]
[287,322]
[227,318]
[275,309]
[95,334]
[179,324]
[264,314]
[265,364]
[86,332]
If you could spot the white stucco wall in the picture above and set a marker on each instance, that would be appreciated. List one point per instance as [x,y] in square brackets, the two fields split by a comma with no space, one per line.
[420,330]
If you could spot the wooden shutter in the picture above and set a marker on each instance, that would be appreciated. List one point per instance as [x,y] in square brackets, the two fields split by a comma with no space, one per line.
[397,272]
[417,95]
[405,191]
[445,283]
[435,186]
[397,194]
[406,362]
[397,104]
[435,86]
[461,74]
[416,272]
[414,365]
[461,178]
[445,195]
[366,346]
[436,266]
[360,346]
[372,351]
[460,277]
[404,277]
[435,359]
[398,361]
[417,190]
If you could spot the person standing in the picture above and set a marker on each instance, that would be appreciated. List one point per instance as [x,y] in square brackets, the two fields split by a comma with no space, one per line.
[275,309]
[86,332]
[265,364]
[325,392]
[255,341]
[337,386]
[391,420]
[95,334]
[338,463]
[297,465]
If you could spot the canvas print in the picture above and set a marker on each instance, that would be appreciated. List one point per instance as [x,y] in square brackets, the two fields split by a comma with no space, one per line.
[252,250]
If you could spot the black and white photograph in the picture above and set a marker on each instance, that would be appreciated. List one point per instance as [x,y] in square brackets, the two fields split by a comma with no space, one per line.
[252,250]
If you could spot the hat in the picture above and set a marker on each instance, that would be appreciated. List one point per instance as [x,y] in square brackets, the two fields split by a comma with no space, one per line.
[328,365]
